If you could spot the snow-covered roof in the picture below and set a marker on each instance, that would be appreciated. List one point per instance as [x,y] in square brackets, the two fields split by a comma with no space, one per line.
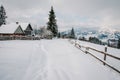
[9,28]
[23,25]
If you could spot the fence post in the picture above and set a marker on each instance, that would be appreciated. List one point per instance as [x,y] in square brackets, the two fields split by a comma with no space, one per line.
[105,53]
[105,48]
[86,51]
[75,42]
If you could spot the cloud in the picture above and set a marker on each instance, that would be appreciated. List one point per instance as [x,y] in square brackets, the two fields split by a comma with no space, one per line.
[68,12]
[98,12]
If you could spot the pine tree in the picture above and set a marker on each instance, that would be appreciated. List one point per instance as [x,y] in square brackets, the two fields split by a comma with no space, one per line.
[59,35]
[2,15]
[52,25]
[72,35]
[119,43]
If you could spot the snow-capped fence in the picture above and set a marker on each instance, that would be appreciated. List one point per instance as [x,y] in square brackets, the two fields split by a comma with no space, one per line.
[88,50]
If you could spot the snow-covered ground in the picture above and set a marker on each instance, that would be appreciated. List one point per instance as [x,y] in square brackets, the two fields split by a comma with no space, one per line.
[113,51]
[49,60]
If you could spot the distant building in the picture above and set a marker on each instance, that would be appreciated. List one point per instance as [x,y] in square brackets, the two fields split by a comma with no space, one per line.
[113,42]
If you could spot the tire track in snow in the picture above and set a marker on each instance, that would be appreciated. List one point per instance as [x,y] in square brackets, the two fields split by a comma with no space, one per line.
[61,74]
[55,72]
[37,68]
[66,75]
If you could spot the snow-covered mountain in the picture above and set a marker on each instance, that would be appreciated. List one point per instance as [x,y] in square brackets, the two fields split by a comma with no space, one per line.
[108,33]
[103,33]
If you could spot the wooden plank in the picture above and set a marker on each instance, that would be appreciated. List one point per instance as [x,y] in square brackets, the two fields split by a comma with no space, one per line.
[105,53]
[113,56]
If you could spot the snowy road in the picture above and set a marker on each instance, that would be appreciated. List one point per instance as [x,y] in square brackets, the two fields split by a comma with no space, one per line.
[49,60]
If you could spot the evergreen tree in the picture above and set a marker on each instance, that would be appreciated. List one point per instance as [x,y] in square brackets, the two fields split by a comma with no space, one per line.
[94,40]
[59,35]
[2,15]
[72,34]
[119,43]
[52,25]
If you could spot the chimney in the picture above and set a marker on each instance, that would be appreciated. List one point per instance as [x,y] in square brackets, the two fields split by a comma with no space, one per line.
[17,22]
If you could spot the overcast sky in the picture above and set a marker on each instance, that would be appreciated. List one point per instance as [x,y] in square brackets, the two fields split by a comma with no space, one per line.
[69,13]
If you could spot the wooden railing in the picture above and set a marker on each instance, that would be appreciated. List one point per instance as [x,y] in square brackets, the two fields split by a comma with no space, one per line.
[19,38]
[105,53]
[101,52]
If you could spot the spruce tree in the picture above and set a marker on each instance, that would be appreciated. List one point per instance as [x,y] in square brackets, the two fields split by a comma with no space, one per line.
[119,43]
[72,35]
[52,25]
[2,15]
[59,35]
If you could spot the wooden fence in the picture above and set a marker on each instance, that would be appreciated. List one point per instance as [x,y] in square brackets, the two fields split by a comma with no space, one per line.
[19,38]
[101,52]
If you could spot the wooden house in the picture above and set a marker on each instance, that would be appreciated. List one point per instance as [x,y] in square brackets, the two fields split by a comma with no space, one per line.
[113,42]
[27,28]
[12,29]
